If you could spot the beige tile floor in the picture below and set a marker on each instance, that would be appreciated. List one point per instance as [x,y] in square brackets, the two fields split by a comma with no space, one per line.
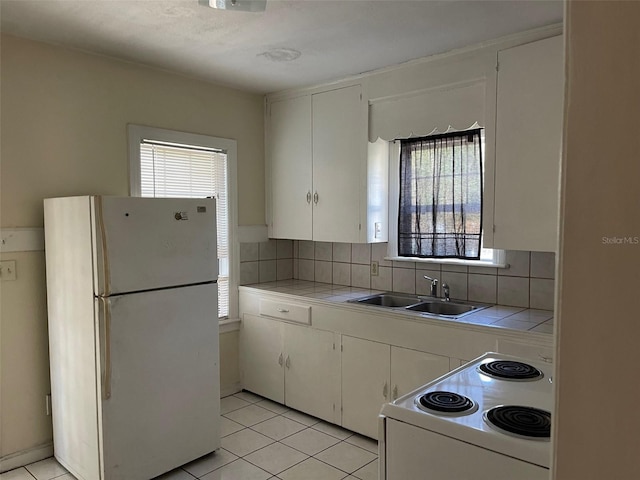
[261,440]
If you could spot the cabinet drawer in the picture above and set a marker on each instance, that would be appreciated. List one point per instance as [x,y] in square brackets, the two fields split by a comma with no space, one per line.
[286,311]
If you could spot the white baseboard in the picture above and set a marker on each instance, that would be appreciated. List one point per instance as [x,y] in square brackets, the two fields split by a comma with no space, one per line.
[226,390]
[25,457]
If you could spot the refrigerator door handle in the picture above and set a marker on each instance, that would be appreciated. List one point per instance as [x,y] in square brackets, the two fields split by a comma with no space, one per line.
[105,319]
[106,275]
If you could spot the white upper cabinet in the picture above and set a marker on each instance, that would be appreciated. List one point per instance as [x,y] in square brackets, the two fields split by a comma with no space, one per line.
[530,95]
[325,181]
[339,156]
[289,152]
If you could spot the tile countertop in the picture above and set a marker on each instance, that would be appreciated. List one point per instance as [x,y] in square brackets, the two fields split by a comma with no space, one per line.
[499,316]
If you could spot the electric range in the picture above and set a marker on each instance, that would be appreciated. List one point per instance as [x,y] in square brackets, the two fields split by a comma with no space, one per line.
[489,419]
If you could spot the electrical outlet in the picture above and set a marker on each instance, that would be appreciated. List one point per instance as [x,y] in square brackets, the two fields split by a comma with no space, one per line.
[374,269]
[8,270]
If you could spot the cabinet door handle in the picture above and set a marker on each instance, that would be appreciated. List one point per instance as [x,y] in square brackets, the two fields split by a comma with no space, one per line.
[283,310]
[395,392]
[280,359]
[385,390]
[315,198]
[288,362]
[309,196]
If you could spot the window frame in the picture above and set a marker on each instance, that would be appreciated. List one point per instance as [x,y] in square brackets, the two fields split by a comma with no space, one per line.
[498,258]
[138,133]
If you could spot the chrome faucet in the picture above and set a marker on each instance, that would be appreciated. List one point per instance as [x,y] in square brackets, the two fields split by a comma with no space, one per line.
[434,285]
[445,292]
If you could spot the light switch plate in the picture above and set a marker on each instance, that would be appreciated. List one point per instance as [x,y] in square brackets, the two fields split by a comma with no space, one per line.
[7,270]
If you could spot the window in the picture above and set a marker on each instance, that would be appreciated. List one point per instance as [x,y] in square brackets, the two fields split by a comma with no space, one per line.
[165,163]
[436,213]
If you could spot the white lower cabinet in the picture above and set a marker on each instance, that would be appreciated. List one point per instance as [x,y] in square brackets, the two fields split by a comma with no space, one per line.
[312,372]
[374,373]
[456,362]
[291,364]
[338,364]
[366,368]
[526,350]
[262,357]
[411,369]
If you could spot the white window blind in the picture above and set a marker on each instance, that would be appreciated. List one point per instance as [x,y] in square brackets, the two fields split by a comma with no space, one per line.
[172,170]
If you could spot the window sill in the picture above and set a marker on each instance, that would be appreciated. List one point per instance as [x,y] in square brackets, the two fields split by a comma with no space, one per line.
[229,325]
[444,261]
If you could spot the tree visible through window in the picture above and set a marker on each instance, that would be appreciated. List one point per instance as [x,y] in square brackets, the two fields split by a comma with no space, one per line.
[440,205]
[173,170]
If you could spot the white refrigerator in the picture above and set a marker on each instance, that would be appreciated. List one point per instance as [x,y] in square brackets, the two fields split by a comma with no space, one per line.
[133,333]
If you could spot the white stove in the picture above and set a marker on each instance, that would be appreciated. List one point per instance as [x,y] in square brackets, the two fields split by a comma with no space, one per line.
[487,420]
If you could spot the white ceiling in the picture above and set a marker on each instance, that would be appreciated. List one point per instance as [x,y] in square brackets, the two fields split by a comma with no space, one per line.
[335,38]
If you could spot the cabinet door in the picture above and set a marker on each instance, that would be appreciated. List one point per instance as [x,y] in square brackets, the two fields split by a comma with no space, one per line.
[411,369]
[312,372]
[528,145]
[339,164]
[262,357]
[365,384]
[289,157]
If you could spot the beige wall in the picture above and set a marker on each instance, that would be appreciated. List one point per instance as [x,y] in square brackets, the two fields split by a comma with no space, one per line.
[64,132]
[599,324]
[24,369]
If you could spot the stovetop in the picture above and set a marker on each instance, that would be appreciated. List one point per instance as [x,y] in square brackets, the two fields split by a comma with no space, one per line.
[477,394]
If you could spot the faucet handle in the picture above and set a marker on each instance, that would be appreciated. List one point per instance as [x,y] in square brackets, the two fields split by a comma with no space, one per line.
[445,292]
[434,280]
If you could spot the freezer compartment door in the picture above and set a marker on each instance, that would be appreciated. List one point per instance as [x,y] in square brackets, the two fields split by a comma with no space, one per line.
[149,243]
[159,371]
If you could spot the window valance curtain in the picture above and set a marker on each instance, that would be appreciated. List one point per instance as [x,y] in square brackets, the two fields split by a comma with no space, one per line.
[440,208]
[458,107]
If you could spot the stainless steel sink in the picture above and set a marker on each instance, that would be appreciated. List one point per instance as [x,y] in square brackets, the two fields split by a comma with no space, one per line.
[442,308]
[392,300]
[419,304]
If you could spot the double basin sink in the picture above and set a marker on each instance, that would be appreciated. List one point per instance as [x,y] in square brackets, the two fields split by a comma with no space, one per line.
[421,304]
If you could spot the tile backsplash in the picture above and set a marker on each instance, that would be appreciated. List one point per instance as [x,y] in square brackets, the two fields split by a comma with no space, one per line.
[528,281]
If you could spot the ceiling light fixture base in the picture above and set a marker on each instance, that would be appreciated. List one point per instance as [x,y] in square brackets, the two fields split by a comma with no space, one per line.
[239,5]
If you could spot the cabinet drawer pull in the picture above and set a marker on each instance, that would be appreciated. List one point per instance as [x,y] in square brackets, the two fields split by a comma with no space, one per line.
[283,310]
[280,359]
